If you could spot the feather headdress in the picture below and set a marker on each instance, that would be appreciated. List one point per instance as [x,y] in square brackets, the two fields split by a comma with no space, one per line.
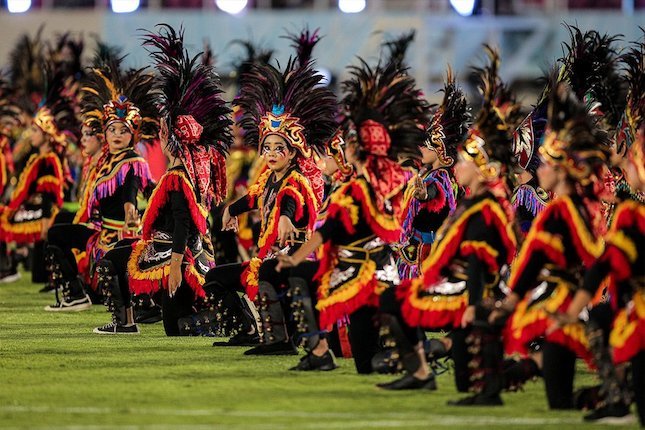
[189,96]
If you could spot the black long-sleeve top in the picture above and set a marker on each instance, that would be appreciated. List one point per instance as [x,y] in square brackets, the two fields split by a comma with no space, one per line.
[560,240]
[111,207]
[622,257]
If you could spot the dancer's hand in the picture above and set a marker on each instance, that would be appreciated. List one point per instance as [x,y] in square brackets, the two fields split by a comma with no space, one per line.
[285,262]
[468,317]
[559,320]
[420,191]
[286,231]
[132,218]
[228,222]
[175,278]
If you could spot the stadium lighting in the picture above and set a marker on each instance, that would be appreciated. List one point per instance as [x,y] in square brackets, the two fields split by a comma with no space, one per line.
[18,6]
[351,6]
[326,77]
[463,7]
[124,6]
[231,6]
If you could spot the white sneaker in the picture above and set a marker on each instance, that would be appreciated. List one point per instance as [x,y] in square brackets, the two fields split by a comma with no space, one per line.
[77,305]
[9,277]
[113,328]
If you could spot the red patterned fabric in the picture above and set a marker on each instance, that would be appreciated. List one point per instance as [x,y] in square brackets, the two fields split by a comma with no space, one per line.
[204,164]
[386,176]
[310,170]
[375,138]
[188,130]
[199,162]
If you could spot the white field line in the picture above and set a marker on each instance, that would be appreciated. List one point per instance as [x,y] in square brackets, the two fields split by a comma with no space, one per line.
[330,420]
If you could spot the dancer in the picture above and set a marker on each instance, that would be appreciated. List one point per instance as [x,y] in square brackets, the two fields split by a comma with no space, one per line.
[561,241]
[174,252]
[462,273]
[118,105]
[384,118]
[287,114]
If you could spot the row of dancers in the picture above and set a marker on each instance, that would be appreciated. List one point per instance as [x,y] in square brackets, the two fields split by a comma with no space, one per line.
[349,224]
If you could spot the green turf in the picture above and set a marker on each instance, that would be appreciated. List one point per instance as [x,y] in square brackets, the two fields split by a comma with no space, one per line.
[54,373]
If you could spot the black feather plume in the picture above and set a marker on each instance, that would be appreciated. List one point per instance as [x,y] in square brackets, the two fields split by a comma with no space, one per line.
[186,86]
[397,49]
[390,97]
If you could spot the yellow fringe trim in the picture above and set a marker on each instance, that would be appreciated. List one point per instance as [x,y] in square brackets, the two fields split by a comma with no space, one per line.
[252,279]
[347,290]
[267,229]
[478,244]
[436,302]
[534,236]
[31,164]
[623,327]
[347,202]
[342,197]
[156,274]
[449,231]
[595,247]
[620,240]
[202,210]
[526,314]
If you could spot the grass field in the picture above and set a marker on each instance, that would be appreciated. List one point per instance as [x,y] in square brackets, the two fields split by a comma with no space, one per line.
[54,373]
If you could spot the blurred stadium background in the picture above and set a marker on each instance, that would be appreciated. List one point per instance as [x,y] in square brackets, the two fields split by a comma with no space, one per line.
[528,32]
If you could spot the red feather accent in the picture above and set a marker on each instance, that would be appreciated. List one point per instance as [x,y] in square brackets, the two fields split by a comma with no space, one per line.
[173,180]
[32,172]
[438,202]
[374,218]
[366,296]
[620,268]
[470,248]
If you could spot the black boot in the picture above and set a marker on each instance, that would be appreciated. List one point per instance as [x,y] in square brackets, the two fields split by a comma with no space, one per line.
[437,355]
[233,316]
[516,373]
[70,294]
[202,323]
[307,328]
[486,348]
[108,282]
[273,329]
[146,311]
[8,265]
[408,357]
[615,400]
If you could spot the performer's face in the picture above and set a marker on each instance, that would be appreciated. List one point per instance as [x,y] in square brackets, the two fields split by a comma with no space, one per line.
[90,141]
[277,153]
[467,173]
[632,176]
[36,136]
[327,165]
[548,176]
[428,156]
[351,154]
[118,136]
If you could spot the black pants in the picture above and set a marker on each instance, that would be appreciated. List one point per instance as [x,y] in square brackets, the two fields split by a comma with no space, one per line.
[178,306]
[461,357]
[558,370]
[67,237]
[392,306]
[224,241]
[64,217]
